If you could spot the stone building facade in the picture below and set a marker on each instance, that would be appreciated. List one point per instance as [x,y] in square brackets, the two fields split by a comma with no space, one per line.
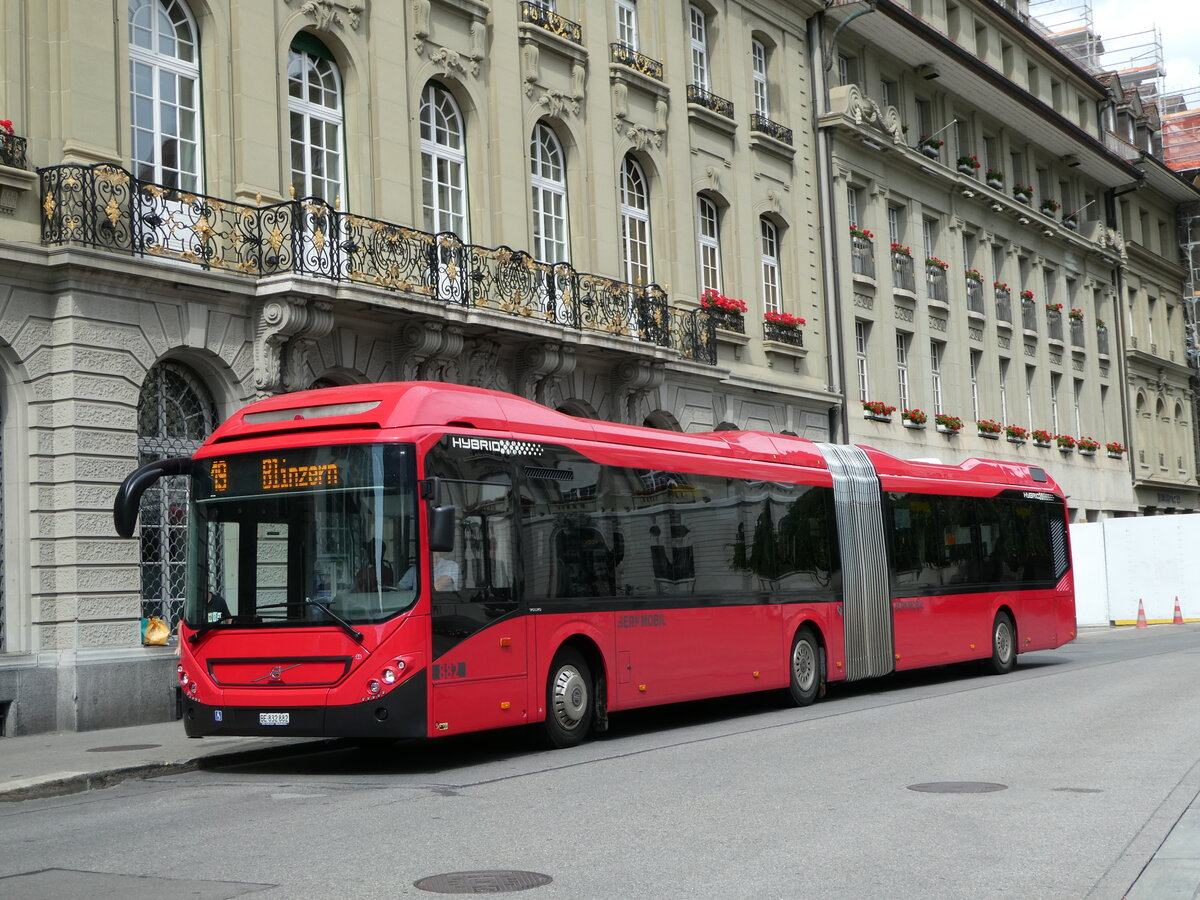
[205,202]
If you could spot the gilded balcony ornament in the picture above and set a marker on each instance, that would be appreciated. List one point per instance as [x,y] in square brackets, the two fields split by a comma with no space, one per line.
[48,205]
[203,230]
[275,238]
[112,210]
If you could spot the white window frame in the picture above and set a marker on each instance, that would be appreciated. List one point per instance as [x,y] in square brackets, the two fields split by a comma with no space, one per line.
[852,209]
[860,352]
[902,339]
[1054,385]
[443,163]
[627,23]
[318,143]
[771,291]
[1078,401]
[936,349]
[1003,370]
[976,357]
[548,187]
[758,74]
[636,258]
[153,113]
[698,36]
[708,244]
[1030,376]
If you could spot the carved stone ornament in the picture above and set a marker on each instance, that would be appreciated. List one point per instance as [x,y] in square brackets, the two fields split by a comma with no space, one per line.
[540,368]
[556,103]
[631,381]
[639,135]
[429,351]
[448,61]
[287,328]
[849,101]
[340,13]
[483,366]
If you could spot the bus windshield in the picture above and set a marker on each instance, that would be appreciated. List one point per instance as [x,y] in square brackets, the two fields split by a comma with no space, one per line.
[303,536]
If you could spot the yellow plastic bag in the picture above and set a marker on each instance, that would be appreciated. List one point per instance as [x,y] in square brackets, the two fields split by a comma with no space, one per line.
[155,632]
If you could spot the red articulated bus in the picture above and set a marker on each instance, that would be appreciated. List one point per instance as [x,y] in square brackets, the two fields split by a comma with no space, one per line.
[422,559]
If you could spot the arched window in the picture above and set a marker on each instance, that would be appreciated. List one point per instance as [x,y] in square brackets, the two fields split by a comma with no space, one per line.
[443,162]
[548,182]
[315,120]
[635,223]
[708,244]
[164,102]
[175,414]
[772,299]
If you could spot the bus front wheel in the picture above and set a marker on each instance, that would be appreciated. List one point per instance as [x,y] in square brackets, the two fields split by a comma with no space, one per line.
[1004,644]
[807,676]
[569,701]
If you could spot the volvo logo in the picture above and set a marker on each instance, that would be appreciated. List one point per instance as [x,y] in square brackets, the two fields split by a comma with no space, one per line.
[276,673]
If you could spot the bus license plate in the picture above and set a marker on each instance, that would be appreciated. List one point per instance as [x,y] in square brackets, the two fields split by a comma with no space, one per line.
[274,718]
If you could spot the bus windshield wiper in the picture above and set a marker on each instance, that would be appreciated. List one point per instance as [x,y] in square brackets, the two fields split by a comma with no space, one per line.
[346,626]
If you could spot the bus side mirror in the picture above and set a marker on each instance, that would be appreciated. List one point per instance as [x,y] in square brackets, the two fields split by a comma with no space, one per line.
[129,494]
[441,529]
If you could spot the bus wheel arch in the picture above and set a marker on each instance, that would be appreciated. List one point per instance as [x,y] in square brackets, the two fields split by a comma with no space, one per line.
[806,665]
[1003,642]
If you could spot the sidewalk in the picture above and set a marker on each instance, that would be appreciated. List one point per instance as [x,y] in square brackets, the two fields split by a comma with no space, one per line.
[67,762]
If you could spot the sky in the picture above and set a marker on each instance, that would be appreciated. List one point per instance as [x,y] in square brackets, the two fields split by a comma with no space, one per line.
[1178,22]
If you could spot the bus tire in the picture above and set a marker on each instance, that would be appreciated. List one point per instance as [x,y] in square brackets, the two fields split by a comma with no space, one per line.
[806,675]
[1004,645]
[570,702]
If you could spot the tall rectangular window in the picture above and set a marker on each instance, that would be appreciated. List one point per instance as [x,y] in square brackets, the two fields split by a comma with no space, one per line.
[698,31]
[895,235]
[708,245]
[772,299]
[902,340]
[1030,372]
[1078,405]
[853,205]
[929,236]
[860,352]
[758,71]
[1003,373]
[627,23]
[1055,378]
[891,96]
[976,356]
[935,373]
[925,117]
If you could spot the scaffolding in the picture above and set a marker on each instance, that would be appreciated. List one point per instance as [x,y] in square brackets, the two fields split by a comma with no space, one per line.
[1180,111]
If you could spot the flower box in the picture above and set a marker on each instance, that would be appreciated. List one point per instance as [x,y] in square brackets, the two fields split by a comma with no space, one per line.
[990,435]
[1087,452]
[877,411]
[910,424]
[946,429]
[1016,440]
[1112,455]
[1042,444]
[875,417]
[995,184]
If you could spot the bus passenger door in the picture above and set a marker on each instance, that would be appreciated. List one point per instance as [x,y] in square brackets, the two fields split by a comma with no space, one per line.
[479,629]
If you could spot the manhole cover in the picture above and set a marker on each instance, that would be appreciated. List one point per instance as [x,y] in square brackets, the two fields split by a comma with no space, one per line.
[958,787]
[487,881]
[119,747]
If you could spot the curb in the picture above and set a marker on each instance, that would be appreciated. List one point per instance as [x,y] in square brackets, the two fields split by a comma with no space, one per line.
[91,781]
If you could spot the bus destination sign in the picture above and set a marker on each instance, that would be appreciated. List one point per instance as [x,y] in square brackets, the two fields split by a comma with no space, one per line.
[301,470]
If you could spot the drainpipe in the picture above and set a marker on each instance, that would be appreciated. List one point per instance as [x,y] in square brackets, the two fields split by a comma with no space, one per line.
[1110,211]
[839,424]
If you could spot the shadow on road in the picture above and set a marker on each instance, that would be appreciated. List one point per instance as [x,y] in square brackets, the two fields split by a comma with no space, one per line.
[426,757]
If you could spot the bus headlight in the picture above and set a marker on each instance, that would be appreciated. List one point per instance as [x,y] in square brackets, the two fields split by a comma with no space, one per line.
[389,676]
[373,686]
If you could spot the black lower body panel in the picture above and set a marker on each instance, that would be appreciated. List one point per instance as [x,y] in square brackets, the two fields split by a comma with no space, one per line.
[403,713]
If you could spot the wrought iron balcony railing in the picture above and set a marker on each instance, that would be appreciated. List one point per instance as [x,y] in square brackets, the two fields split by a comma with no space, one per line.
[544,17]
[902,273]
[12,150]
[1028,316]
[975,296]
[727,319]
[784,334]
[935,283]
[1054,326]
[763,125]
[1077,338]
[698,95]
[106,207]
[627,56]
[1003,306]
[862,256]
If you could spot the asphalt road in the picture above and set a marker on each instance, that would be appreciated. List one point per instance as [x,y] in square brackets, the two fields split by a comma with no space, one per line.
[1090,753]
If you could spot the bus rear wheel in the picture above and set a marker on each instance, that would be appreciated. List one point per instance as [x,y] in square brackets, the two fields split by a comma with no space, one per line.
[805,665]
[1004,645]
[569,700]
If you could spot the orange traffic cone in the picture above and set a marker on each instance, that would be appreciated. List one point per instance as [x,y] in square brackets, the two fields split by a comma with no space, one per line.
[1141,622]
[1178,620]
